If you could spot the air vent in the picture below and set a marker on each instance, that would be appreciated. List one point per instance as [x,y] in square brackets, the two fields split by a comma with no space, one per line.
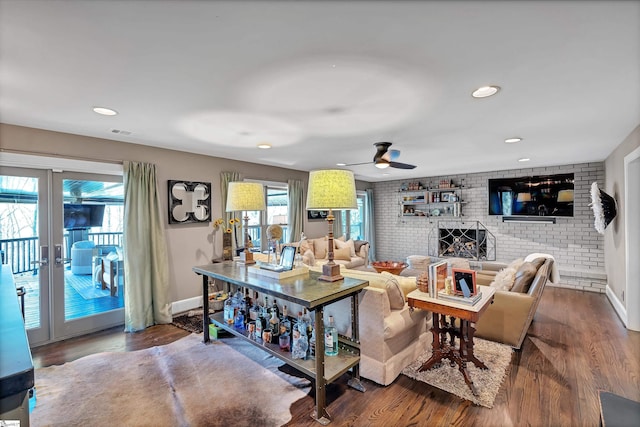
[121,132]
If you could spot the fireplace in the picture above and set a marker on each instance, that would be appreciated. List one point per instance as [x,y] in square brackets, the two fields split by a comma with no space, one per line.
[463,243]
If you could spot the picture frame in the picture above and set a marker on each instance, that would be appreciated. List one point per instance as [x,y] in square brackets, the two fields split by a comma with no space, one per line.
[189,201]
[317,215]
[445,197]
[464,282]
[287,257]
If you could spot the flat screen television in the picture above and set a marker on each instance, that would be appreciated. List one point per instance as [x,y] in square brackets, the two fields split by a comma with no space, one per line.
[544,195]
[77,216]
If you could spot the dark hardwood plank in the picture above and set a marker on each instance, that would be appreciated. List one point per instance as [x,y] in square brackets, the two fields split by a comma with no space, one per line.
[575,346]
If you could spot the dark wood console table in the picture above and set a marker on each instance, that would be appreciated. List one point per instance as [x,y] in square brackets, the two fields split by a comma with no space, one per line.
[460,324]
[309,292]
[16,366]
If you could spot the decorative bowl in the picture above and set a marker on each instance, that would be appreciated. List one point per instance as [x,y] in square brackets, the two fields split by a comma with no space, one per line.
[393,267]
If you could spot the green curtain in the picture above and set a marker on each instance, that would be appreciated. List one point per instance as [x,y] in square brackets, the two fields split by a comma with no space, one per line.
[146,262]
[295,188]
[225,179]
[370,229]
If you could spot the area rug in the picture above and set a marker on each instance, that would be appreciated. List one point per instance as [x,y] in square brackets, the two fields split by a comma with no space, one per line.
[185,383]
[84,285]
[191,321]
[496,356]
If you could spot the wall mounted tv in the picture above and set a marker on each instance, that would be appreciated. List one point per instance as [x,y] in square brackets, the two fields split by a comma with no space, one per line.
[545,195]
[78,216]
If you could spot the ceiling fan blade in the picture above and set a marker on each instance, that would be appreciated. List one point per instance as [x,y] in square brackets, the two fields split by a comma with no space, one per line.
[401,165]
[358,164]
[393,154]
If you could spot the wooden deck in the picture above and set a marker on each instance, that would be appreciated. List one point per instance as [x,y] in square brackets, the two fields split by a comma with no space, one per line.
[76,305]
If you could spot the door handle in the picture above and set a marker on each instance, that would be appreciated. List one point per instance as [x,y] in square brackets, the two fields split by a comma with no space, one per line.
[59,259]
[44,257]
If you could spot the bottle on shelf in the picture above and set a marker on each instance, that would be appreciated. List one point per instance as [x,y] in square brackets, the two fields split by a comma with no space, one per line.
[300,344]
[275,308]
[330,338]
[285,323]
[274,324]
[312,343]
[229,310]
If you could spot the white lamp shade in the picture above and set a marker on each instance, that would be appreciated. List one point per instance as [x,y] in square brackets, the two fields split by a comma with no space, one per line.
[331,189]
[245,196]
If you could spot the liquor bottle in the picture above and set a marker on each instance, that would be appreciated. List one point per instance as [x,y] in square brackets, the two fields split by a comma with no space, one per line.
[285,323]
[300,345]
[229,310]
[260,325]
[312,343]
[307,322]
[274,324]
[274,307]
[330,338]
[239,319]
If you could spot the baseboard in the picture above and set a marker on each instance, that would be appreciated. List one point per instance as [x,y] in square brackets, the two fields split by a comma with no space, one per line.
[186,305]
[617,305]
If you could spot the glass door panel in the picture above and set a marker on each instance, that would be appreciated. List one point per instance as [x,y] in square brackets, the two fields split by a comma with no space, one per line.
[88,268]
[24,243]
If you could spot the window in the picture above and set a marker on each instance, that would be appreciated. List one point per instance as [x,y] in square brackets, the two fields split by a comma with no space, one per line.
[277,212]
[353,221]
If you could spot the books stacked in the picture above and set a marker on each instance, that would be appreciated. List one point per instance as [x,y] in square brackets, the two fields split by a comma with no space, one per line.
[437,276]
[472,300]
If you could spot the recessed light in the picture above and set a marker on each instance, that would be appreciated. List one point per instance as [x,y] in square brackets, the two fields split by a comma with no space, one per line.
[105,111]
[341,164]
[485,91]
[524,159]
[264,146]
[512,140]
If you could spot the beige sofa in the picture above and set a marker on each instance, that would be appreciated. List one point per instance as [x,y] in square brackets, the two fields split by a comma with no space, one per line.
[507,320]
[348,253]
[391,336]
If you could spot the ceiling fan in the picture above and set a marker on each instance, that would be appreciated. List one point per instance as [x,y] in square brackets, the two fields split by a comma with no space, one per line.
[385,158]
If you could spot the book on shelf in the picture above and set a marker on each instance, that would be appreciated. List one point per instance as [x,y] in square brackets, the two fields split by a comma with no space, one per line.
[461,299]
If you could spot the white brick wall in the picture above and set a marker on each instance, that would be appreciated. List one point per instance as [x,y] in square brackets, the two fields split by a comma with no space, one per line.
[577,248]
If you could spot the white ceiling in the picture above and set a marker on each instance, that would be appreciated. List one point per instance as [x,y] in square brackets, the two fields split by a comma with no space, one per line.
[324,80]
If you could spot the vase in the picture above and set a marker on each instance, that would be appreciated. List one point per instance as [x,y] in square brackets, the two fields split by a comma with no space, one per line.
[227,249]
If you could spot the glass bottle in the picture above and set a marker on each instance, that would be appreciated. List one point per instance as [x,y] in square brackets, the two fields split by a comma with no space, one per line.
[330,338]
[274,307]
[229,310]
[274,324]
[300,345]
[312,343]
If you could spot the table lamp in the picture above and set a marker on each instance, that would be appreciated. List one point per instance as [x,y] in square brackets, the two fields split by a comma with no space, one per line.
[245,196]
[331,189]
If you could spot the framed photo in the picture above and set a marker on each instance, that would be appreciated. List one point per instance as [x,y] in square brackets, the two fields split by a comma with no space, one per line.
[464,282]
[445,197]
[317,215]
[287,257]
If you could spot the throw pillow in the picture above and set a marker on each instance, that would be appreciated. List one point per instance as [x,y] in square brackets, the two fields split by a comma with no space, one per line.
[320,248]
[389,283]
[342,254]
[504,279]
[306,245]
[339,244]
[524,277]
[308,258]
[407,284]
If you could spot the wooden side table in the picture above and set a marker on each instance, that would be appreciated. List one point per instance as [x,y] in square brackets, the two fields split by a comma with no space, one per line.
[446,330]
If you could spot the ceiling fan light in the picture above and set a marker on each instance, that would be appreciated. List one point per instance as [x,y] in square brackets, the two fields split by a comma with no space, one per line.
[382,164]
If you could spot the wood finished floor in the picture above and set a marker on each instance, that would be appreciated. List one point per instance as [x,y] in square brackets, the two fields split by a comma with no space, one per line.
[576,346]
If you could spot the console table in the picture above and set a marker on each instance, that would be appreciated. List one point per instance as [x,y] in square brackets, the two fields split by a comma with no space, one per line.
[16,366]
[460,325]
[309,292]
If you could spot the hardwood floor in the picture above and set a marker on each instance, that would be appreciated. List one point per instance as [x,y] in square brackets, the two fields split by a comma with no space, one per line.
[576,346]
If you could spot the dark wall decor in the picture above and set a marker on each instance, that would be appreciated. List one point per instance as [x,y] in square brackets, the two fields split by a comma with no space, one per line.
[189,202]
[317,215]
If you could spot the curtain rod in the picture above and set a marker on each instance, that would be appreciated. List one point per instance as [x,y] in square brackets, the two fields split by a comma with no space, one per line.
[63,156]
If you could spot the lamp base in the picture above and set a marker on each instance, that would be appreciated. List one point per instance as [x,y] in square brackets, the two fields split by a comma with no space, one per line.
[246,257]
[330,273]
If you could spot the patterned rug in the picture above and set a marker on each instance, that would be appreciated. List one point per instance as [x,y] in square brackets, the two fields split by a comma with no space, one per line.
[191,321]
[496,356]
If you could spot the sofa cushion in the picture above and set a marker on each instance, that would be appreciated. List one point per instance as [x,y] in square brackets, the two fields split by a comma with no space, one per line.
[525,275]
[342,254]
[341,244]
[320,248]
[505,278]
[394,291]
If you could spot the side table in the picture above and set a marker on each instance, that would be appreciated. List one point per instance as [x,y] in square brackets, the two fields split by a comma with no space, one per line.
[460,324]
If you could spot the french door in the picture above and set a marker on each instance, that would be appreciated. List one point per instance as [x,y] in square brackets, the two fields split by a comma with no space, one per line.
[61,232]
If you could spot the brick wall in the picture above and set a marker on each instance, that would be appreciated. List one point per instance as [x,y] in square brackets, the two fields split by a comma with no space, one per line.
[577,248]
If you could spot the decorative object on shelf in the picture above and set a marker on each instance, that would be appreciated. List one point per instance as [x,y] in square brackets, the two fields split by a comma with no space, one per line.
[274,234]
[189,202]
[245,196]
[393,267]
[435,212]
[227,231]
[331,189]
[604,208]
[422,282]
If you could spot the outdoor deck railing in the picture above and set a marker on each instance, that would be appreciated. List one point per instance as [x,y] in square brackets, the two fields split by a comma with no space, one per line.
[22,253]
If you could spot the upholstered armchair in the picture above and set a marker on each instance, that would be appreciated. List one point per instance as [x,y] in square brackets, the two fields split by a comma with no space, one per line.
[82,257]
